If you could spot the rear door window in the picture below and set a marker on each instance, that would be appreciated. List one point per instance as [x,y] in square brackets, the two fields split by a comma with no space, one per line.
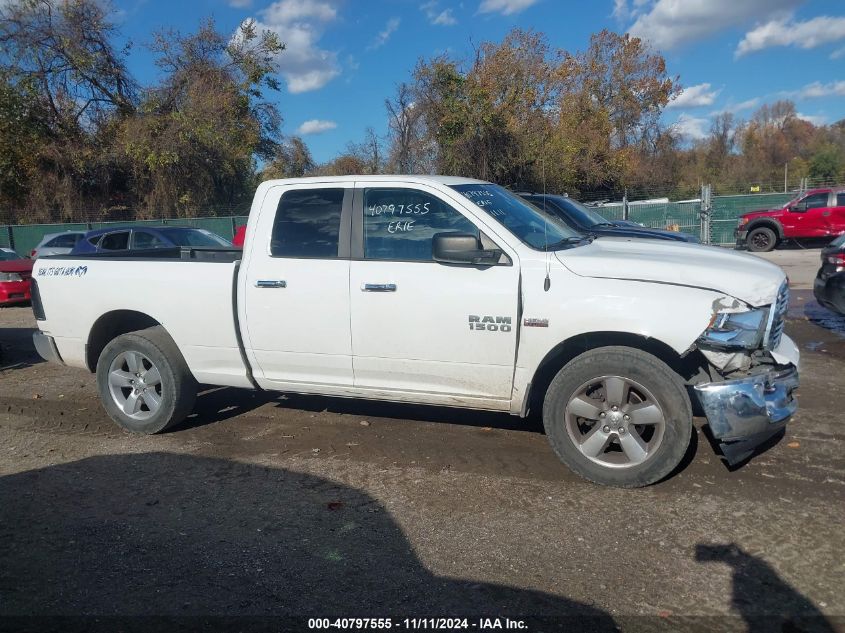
[840,199]
[118,241]
[307,224]
[145,239]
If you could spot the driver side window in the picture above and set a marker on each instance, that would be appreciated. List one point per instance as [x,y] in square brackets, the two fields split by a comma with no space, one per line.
[815,201]
[399,224]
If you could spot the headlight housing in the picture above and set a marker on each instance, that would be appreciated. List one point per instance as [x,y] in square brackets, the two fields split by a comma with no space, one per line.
[736,330]
[10,277]
[743,221]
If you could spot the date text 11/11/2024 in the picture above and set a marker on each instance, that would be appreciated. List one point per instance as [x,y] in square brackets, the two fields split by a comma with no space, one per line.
[418,624]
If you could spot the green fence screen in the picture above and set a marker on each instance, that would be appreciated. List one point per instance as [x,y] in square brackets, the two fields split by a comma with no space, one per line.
[24,237]
[682,216]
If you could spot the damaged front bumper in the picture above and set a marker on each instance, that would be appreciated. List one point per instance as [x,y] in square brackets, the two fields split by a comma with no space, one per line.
[744,413]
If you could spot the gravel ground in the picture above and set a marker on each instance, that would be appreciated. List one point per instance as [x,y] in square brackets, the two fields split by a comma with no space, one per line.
[263,505]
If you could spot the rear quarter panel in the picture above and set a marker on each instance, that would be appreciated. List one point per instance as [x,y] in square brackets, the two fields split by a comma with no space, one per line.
[191,299]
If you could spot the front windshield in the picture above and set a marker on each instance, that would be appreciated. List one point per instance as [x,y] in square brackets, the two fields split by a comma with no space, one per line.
[194,237]
[534,227]
[585,215]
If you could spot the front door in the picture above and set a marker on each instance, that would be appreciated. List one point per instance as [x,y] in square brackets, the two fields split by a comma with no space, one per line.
[296,289]
[813,218]
[418,325]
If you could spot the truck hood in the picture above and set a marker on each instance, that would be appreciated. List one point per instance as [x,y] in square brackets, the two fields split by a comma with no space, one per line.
[757,213]
[746,277]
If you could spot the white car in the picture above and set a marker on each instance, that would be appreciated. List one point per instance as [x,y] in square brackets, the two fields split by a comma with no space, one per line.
[56,244]
[440,291]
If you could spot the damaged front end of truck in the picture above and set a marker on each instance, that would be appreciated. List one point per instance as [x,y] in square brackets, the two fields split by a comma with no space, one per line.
[754,372]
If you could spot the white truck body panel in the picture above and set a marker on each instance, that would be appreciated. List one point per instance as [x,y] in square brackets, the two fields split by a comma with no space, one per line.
[298,335]
[202,325]
[322,334]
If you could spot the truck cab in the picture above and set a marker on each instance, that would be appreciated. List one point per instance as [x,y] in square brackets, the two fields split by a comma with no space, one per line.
[437,290]
[816,214]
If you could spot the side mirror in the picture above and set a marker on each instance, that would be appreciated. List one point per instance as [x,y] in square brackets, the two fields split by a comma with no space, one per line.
[463,248]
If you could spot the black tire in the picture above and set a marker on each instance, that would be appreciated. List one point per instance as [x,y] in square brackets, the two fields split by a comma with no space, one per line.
[761,240]
[665,387]
[177,389]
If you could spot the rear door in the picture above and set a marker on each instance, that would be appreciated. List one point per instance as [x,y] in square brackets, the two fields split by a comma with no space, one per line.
[296,288]
[837,213]
[420,326]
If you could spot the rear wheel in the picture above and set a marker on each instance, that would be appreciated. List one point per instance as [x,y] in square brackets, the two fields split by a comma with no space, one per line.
[618,417]
[761,239]
[144,382]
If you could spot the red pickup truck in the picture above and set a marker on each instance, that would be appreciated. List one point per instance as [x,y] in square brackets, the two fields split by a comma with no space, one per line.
[817,213]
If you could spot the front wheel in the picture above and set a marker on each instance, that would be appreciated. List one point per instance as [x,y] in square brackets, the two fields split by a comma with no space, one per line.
[618,417]
[144,382]
[761,240]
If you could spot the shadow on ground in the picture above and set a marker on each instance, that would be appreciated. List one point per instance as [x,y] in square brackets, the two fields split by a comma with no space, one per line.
[16,348]
[824,318]
[764,600]
[178,535]
[218,404]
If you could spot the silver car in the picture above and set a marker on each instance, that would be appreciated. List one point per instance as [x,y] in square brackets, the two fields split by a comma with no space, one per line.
[56,244]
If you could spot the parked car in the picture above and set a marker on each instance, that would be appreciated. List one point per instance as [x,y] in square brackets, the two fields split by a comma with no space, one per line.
[588,221]
[144,237]
[829,286]
[56,244]
[15,274]
[440,291]
[240,236]
[816,214]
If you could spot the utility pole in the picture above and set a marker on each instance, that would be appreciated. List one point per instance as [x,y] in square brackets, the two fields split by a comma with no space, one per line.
[625,204]
[785,172]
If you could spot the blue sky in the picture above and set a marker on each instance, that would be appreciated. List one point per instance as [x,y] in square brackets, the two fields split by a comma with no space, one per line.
[345,57]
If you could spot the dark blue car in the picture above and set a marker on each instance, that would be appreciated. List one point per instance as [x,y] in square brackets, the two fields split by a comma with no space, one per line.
[585,220]
[143,237]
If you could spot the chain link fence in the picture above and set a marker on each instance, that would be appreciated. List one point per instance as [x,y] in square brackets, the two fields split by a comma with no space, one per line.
[24,237]
[719,218]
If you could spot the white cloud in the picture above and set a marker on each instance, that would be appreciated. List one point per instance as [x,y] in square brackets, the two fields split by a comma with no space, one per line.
[435,16]
[815,119]
[445,18]
[623,11]
[505,7]
[384,35]
[787,32]
[733,108]
[315,126]
[672,23]
[695,96]
[838,53]
[745,105]
[692,128]
[300,25]
[817,90]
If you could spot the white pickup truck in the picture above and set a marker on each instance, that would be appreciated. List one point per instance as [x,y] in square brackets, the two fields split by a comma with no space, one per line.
[439,291]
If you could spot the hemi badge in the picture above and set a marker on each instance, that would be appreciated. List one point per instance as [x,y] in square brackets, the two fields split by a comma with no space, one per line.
[535,322]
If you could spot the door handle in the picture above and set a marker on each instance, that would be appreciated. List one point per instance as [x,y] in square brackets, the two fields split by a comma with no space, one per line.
[271,283]
[378,287]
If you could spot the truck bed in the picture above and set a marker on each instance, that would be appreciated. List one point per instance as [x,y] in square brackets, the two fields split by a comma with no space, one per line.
[190,291]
